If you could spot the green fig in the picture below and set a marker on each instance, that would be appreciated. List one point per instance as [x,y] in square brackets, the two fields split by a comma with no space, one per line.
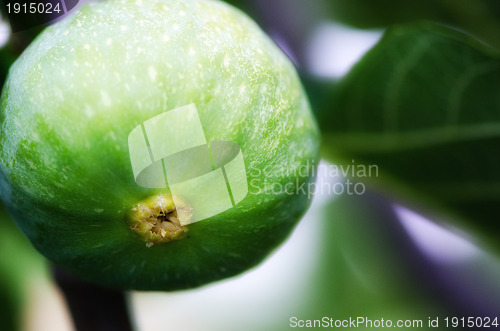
[155,145]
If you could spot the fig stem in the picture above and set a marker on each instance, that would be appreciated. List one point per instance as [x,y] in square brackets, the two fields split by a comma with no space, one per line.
[93,308]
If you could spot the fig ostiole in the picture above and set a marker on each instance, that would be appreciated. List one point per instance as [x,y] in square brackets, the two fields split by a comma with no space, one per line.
[91,176]
[157,220]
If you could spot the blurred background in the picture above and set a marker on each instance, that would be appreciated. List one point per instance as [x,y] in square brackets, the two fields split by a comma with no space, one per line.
[381,253]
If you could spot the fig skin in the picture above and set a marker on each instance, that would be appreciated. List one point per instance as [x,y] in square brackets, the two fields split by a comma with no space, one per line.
[72,98]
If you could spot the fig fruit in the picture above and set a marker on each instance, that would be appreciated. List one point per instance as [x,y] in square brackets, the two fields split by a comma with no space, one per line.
[155,145]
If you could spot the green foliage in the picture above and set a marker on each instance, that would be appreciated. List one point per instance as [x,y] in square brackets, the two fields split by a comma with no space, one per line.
[6,59]
[367,266]
[423,106]
[9,308]
[18,263]
[480,17]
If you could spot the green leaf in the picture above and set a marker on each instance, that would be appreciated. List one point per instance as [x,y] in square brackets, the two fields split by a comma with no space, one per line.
[481,17]
[6,59]
[20,265]
[370,14]
[368,267]
[424,106]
